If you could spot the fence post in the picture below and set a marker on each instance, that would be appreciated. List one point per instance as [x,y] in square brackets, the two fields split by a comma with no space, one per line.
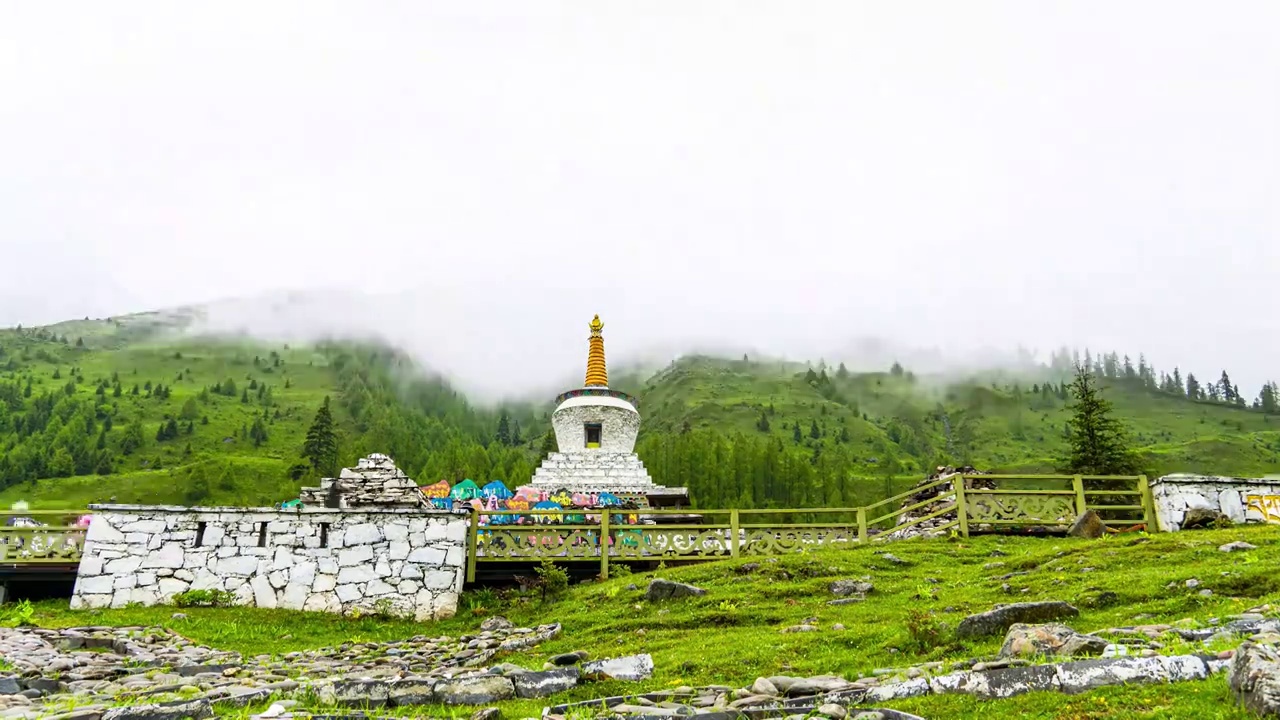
[1148,505]
[1077,484]
[962,512]
[733,533]
[473,533]
[862,524]
[604,544]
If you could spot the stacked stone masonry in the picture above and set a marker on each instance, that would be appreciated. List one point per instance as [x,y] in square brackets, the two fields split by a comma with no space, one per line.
[409,562]
[599,471]
[1242,500]
[374,482]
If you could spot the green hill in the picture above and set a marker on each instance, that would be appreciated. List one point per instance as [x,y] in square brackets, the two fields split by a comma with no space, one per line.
[128,409]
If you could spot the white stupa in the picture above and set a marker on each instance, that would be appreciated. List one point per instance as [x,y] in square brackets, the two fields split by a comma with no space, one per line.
[596,435]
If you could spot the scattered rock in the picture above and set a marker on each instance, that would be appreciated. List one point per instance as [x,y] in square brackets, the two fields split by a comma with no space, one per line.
[497,622]
[1192,584]
[893,559]
[1049,639]
[1000,619]
[548,682]
[1237,546]
[193,709]
[1197,518]
[851,587]
[846,600]
[489,713]
[762,686]
[632,668]
[660,589]
[800,628]
[1088,525]
[475,690]
[832,710]
[572,658]
[1206,593]
[747,568]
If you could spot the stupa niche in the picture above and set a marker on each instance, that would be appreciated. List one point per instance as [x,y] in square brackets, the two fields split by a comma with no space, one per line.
[596,432]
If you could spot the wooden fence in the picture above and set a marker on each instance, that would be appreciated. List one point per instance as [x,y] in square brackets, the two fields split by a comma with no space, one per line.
[1043,501]
[1039,501]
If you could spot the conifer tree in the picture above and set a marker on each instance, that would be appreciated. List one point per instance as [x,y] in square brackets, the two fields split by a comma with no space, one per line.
[258,433]
[1098,442]
[504,429]
[321,445]
[813,430]
[795,435]
[1226,389]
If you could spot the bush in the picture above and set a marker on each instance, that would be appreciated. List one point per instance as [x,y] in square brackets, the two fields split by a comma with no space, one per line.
[553,580]
[923,631]
[204,598]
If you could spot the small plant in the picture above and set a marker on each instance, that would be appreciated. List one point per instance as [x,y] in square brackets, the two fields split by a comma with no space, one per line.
[620,570]
[21,614]
[204,598]
[553,580]
[612,592]
[923,631]
[728,606]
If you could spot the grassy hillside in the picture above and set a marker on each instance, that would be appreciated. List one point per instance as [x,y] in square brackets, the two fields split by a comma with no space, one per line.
[128,408]
[922,422]
[734,633]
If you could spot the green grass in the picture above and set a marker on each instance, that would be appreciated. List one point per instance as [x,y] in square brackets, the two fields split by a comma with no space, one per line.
[733,633]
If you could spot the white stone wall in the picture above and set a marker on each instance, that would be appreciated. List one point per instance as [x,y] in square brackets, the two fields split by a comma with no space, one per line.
[620,423]
[408,559]
[1241,499]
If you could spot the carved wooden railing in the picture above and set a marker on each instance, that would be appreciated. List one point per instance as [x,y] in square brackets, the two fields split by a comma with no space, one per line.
[60,542]
[1052,501]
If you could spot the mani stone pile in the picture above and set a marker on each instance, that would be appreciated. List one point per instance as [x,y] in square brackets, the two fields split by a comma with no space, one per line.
[374,482]
[140,673]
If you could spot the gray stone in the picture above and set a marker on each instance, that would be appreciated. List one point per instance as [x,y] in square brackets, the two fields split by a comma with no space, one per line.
[497,622]
[832,710]
[1000,619]
[1237,546]
[182,710]
[360,693]
[631,668]
[475,690]
[1088,525]
[491,713]
[572,658]
[762,686]
[1197,518]
[660,589]
[1254,677]
[411,691]
[1049,639]
[9,686]
[547,682]
[851,587]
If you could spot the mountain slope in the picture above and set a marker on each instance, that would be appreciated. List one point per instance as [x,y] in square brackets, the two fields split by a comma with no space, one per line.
[129,409]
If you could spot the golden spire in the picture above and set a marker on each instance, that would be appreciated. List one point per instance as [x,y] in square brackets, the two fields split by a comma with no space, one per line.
[597,375]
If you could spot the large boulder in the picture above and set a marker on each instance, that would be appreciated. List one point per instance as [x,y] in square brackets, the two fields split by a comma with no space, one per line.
[1197,518]
[1254,676]
[1002,618]
[546,682]
[1024,640]
[850,587]
[660,589]
[631,667]
[475,690]
[1088,525]
[180,710]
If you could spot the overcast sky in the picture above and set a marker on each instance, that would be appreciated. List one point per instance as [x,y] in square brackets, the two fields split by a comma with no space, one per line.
[784,175]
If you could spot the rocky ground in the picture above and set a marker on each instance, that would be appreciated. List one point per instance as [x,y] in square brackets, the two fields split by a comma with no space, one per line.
[137,673]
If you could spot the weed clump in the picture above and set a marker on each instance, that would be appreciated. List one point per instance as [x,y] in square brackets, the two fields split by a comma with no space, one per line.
[204,598]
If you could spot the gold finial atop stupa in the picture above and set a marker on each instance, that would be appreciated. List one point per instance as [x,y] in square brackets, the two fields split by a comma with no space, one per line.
[597,375]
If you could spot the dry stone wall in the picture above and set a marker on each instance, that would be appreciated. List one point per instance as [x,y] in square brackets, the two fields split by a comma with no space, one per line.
[407,561]
[1242,500]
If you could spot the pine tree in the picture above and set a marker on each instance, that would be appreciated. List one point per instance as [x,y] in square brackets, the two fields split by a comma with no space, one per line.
[813,430]
[1226,389]
[504,429]
[321,445]
[258,433]
[763,423]
[1269,399]
[896,370]
[1098,443]
[842,372]
[1194,391]
[548,444]
[795,435]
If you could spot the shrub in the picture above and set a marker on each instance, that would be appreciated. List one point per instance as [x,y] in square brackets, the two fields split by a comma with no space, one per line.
[204,598]
[553,580]
[923,631]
